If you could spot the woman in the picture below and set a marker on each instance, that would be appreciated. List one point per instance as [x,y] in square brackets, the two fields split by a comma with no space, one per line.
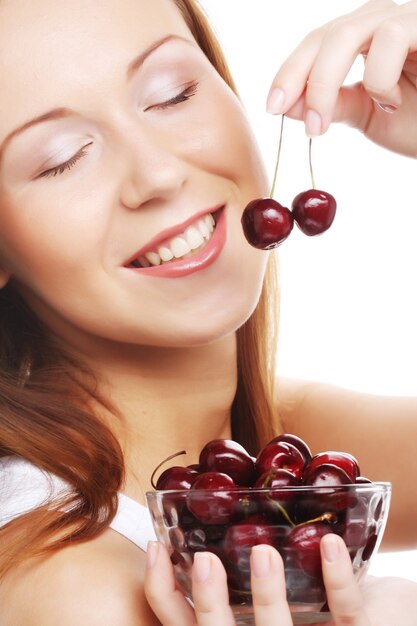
[127,321]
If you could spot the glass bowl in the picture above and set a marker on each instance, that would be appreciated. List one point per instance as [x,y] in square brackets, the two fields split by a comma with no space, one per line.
[292,519]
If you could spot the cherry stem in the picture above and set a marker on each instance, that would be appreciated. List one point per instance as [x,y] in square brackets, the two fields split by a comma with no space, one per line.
[310,143]
[162,463]
[278,157]
[326,517]
[283,511]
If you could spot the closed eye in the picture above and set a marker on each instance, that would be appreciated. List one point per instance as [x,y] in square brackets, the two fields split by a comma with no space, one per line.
[60,169]
[185,95]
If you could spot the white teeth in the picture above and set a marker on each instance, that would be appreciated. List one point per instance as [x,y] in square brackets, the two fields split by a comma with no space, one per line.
[209,222]
[179,247]
[153,258]
[165,254]
[204,229]
[194,238]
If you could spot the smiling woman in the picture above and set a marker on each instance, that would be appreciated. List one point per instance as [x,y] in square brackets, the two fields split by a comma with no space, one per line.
[72,180]
[134,317]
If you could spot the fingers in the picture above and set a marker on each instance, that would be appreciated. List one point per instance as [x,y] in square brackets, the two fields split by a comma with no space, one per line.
[167,602]
[268,587]
[386,58]
[343,594]
[210,595]
[314,73]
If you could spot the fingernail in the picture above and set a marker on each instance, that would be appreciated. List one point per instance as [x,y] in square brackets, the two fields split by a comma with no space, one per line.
[201,567]
[151,554]
[261,565]
[275,102]
[331,548]
[312,121]
[388,108]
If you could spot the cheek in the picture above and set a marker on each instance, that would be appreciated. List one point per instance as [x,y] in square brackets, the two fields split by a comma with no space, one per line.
[220,140]
[40,240]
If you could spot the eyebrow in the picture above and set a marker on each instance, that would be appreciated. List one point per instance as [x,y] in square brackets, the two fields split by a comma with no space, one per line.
[63,112]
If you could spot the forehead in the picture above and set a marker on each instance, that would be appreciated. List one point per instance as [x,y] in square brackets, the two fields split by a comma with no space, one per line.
[47,47]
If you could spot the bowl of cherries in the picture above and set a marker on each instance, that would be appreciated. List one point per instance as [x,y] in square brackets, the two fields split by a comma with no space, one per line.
[286,498]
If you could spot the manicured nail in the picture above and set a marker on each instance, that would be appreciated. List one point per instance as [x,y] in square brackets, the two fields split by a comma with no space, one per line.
[152,554]
[388,108]
[260,561]
[201,567]
[275,102]
[313,123]
[331,548]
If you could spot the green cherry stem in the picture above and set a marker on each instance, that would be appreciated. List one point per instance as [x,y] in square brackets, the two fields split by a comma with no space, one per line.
[278,157]
[310,143]
[282,510]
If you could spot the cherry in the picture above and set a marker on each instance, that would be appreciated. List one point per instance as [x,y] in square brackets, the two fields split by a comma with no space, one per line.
[362,480]
[303,546]
[298,443]
[176,477]
[370,547]
[280,454]
[266,223]
[345,461]
[325,475]
[277,500]
[211,499]
[314,211]
[242,536]
[228,457]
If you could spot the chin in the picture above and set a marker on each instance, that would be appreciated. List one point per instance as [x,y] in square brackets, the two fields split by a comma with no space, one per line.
[208,326]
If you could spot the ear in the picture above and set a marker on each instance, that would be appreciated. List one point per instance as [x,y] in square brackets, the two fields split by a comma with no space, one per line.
[4,277]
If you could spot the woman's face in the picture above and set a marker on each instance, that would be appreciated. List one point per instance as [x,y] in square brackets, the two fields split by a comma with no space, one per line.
[125,131]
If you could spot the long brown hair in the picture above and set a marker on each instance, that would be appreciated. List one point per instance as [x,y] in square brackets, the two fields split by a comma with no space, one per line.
[43,414]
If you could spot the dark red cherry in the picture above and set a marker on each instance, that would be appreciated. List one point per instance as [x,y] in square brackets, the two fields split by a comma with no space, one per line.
[303,546]
[228,457]
[266,223]
[210,498]
[195,466]
[176,478]
[328,475]
[314,211]
[241,537]
[345,461]
[280,454]
[362,480]
[277,500]
[325,475]
[298,443]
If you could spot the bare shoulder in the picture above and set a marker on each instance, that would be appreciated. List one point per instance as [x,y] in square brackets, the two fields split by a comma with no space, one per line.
[99,582]
[290,394]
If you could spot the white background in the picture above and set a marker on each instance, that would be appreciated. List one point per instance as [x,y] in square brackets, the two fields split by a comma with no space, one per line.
[348,305]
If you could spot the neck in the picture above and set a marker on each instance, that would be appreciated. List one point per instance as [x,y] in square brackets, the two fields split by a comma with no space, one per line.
[169,400]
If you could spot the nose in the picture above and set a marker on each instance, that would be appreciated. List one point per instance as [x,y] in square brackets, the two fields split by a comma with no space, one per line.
[154,169]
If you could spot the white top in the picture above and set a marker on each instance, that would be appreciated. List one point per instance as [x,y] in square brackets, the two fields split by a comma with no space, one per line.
[24,486]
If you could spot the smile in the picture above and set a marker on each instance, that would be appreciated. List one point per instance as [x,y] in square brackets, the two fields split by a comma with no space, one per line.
[194,238]
[182,253]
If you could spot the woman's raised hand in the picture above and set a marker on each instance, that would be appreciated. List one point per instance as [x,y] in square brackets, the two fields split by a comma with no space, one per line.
[210,595]
[308,86]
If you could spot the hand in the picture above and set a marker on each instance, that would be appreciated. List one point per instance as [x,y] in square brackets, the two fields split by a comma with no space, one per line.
[210,595]
[384,104]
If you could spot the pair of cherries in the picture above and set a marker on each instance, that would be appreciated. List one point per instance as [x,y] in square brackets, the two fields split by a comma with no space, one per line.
[267,223]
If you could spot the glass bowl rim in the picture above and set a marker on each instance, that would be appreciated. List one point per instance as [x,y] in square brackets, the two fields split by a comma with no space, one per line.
[377,486]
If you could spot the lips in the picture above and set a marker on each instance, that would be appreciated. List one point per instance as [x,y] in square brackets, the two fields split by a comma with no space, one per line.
[148,254]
